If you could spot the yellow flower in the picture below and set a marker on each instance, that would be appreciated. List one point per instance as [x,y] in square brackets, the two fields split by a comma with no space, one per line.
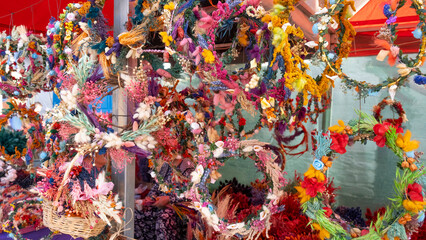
[313,173]
[278,36]
[166,38]
[170,6]
[302,194]
[299,84]
[208,56]
[413,206]
[243,39]
[338,128]
[405,143]
[322,232]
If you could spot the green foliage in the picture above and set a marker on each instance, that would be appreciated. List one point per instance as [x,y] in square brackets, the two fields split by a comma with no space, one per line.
[10,140]
[83,70]
[80,121]
[364,124]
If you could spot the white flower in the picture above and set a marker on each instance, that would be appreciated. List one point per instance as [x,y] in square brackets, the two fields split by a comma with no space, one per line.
[321,26]
[197,205]
[71,16]
[219,144]
[112,140]
[70,97]
[217,152]
[153,175]
[146,142]
[16,75]
[197,174]
[257,148]
[236,226]
[82,137]
[285,26]
[264,213]
[248,149]
[143,112]
[195,126]
[325,19]
[332,77]
[311,44]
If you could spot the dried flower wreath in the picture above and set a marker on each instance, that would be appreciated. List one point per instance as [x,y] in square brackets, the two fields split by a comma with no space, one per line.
[209,159]
[34,133]
[23,68]
[407,202]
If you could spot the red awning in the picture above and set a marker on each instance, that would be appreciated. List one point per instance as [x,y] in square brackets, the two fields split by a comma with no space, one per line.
[35,14]
[370,18]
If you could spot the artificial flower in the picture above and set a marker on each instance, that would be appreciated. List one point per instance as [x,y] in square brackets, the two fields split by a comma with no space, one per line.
[170,6]
[302,194]
[197,174]
[143,112]
[414,192]
[166,38]
[313,186]
[323,233]
[338,128]
[82,136]
[103,187]
[380,130]
[313,173]
[339,142]
[413,206]
[112,140]
[236,226]
[146,142]
[208,56]
[404,142]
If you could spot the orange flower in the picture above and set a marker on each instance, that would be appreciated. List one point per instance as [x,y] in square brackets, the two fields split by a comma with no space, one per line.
[313,173]
[337,128]
[302,194]
[413,206]
[323,233]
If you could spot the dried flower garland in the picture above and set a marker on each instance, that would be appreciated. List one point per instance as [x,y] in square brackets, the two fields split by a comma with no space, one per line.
[386,40]
[408,201]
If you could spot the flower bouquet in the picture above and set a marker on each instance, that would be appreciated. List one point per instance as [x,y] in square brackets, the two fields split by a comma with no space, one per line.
[78,202]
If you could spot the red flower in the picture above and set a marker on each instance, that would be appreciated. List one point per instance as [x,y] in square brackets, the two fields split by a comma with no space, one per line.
[380,131]
[242,122]
[222,121]
[312,186]
[328,211]
[339,142]
[414,192]
[56,125]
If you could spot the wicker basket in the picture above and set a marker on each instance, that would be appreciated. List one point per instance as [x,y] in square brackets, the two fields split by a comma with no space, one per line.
[74,226]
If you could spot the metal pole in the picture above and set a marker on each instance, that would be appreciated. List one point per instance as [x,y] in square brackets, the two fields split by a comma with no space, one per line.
[124,181]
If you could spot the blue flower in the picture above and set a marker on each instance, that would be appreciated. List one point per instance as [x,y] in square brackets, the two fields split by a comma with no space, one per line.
[318,165]
[421,217]
[417,33]
[331,56]
[43,155]
[315,28]
[332,2]
[410,154]
[34,55]
[16,93]
[419,79]
[49,51]
[387,11]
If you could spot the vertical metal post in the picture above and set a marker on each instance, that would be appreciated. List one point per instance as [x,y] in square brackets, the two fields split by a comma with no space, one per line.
[124,181]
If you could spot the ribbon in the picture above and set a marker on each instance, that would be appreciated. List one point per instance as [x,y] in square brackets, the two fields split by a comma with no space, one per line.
[121,228]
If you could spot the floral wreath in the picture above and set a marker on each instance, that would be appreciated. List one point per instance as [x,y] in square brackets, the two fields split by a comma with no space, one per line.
[386,39]
[209,159]
[35,133]
[407,202]
[23,67]
[396,106]
[24,214]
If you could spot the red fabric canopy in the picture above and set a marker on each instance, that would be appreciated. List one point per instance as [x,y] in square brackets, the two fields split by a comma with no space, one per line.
[368,21]
[35,14]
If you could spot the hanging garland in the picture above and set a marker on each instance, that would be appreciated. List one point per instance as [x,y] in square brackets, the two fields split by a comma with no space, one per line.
[386,38]
[407,202]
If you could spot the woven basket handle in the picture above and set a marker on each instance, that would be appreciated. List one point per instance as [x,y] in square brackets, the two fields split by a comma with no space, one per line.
[67,173]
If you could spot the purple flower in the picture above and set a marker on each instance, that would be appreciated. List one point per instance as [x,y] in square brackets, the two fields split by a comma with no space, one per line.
[255,53]
[391,20]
